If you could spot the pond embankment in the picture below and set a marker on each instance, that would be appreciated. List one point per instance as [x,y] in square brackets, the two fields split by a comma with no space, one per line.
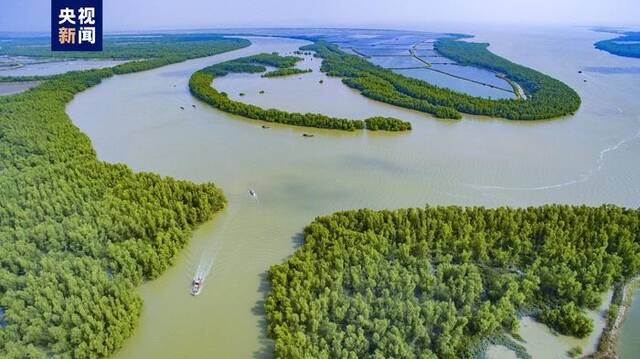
[620,304]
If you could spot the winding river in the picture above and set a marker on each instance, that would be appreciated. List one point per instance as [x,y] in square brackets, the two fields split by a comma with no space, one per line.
[136,119]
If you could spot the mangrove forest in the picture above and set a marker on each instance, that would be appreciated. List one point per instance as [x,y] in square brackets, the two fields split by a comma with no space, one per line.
[286,72]
[546,96]
[201,87]
[628,45]
[78,235]
[438,282]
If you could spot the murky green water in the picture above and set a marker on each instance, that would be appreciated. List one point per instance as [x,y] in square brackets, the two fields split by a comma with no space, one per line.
[588,158]
[629,347]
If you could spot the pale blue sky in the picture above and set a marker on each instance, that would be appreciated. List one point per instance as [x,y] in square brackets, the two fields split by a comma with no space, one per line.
[129,15]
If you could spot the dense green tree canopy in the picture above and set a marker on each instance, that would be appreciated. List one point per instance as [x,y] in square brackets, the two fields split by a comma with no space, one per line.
[547,97]
[77,235]
[286,72]
[128,47]
[200,85]
[386,124]
[434,282]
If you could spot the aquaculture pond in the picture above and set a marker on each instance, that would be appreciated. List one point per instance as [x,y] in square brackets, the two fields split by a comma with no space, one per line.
[34,66]
[457,84]
[10,88]
[469,72]
[397,61]
[414,56]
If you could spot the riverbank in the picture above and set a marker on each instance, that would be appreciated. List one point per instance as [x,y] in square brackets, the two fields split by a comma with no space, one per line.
[620,304]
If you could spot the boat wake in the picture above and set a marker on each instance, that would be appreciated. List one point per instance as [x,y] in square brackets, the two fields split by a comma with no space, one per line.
[205,265]
[209,255]
[584,177]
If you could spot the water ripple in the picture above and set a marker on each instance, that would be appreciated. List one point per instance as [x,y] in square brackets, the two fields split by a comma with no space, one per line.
[582,178]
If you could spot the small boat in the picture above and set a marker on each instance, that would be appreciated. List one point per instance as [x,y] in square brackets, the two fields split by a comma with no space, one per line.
[252,193]
[194,106]
[306,135]
[182,108]
[196,285]
[265,126]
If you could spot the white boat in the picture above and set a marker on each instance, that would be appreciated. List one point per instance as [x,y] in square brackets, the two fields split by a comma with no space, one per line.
[196,285]
[252,193]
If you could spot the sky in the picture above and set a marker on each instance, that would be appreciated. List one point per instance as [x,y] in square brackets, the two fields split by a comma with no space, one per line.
[138,15]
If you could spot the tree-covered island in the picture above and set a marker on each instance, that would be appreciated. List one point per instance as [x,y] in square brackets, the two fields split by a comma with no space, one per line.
[201,87]
[546,96]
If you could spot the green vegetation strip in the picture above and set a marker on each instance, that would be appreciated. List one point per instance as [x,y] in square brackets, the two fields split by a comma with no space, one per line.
[77,235]
[126,47]
[286,72]
[546,96]
[442,282]
[201,87]
[627,45]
